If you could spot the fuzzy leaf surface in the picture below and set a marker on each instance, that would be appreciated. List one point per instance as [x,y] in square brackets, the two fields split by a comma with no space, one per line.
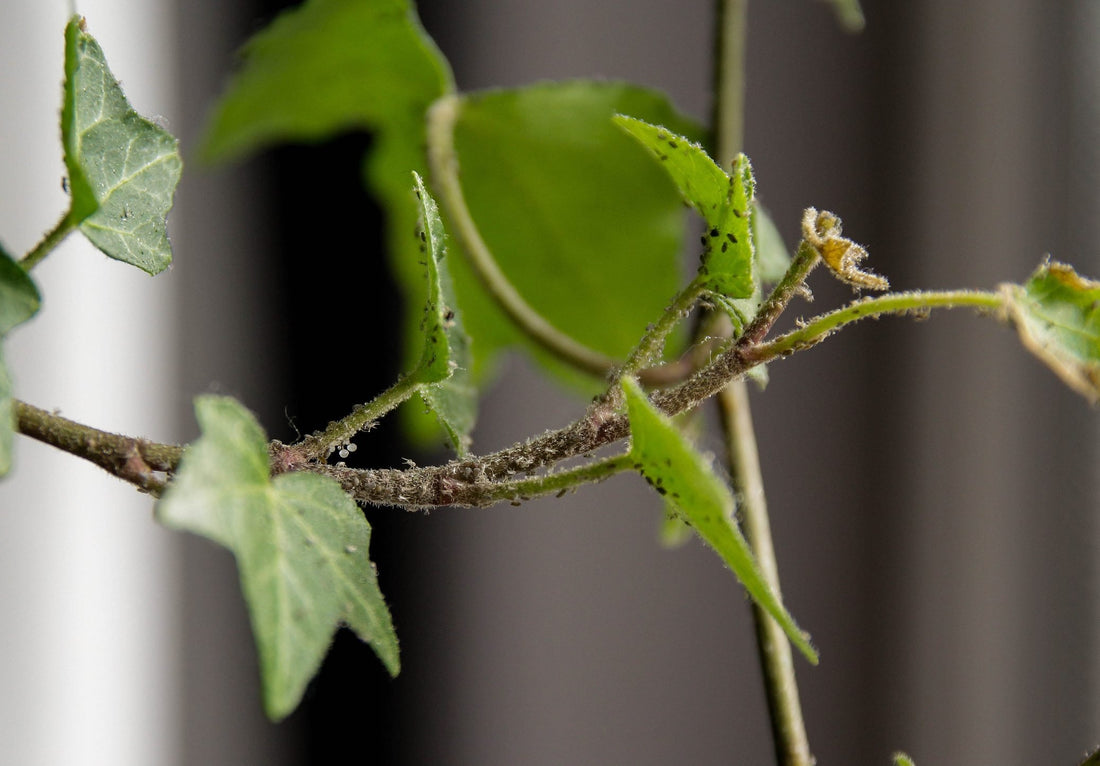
[684,477]
[1057,314]
[586,230]
[445,361]
[724,201]
[301,546]
[123,169]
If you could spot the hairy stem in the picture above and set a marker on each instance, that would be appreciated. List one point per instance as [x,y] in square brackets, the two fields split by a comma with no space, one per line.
[52,239]
[138,461]
[918,303]
[788,730]
[361,418]
[443,163]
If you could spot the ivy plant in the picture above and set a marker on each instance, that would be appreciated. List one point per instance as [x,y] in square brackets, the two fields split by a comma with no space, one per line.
[546,218]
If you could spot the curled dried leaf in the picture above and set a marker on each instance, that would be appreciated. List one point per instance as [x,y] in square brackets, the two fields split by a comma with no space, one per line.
[843,256]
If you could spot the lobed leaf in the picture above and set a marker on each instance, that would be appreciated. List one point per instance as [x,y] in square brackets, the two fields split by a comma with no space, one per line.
[123,169]
[681,475]
[1057,314]
[301,545]
[445,360]
[724,201]
[588,235]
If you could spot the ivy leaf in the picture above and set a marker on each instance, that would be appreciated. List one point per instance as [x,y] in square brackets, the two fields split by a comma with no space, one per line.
[19,298]
[333,66]
[1057,314]
[19,301]
[445,361]
[724,201]
[123,169]
[588,235]
[680,474]
[301,546]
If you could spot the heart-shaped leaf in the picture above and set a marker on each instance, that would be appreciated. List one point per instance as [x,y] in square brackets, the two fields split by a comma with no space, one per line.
[301,546]
[123,169]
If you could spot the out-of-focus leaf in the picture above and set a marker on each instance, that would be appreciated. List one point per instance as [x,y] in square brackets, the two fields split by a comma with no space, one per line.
[123,169]
[19,301]
[301,546]
[1057,314]
[333,66]
[19,298]
[445,361]
[680,474]
[772,256]
[587,231]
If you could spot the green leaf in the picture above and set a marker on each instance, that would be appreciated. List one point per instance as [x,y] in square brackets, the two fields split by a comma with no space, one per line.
[680,474]
[901,759]
[445,361]
[1093,759]
[326,67]
[332,66]
[301,546]
[19,298]
[123,169]
[723,201]
[772,256]
[19,301]
[587,232]
[1057,314]
[849,14]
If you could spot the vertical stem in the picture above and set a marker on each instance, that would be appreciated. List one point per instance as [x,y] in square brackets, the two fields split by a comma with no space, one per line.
[792,748]
[788,729]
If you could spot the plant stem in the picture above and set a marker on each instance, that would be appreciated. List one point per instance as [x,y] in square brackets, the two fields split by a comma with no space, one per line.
[443,163]
[361,418]
[134,460]
[788,729]
[52,239]
[918,303]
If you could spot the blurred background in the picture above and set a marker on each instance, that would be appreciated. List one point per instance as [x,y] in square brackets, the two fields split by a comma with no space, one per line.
[933,489]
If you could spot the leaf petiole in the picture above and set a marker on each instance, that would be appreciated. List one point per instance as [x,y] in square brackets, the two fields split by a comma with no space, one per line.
[52,239]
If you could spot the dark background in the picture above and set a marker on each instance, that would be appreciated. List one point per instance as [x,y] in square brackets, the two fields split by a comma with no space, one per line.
[932,488]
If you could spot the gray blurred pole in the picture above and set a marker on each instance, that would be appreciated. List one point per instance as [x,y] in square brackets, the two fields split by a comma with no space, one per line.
[87,620]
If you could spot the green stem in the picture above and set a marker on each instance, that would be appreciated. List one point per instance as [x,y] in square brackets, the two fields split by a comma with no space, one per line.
[51,240]
[773,646]
[652,344]
[919,303]
[361,418]
[788,729]
[443,162]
